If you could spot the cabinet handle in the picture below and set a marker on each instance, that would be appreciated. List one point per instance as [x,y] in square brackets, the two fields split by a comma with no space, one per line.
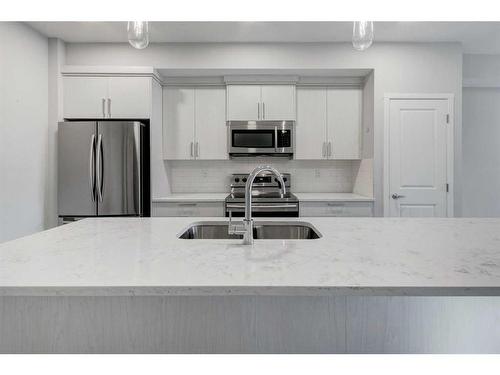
[197,149]
[263,110]
[103,107]
[191,148]
[109,107]
[329,149]
[258,111]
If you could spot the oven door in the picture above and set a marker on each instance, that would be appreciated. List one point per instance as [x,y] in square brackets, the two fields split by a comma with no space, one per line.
[275,209]
[262,138]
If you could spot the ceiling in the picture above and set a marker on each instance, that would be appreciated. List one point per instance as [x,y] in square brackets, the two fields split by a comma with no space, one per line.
[476,37]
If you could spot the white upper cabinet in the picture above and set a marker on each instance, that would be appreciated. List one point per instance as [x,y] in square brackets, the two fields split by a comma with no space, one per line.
[260,102]
[178,123]
[328,123]
[129,97]
[194,125]
[344,122]
[210,121]
[85,97]
[278,102]
[243,103]
[310,128]
[107,97]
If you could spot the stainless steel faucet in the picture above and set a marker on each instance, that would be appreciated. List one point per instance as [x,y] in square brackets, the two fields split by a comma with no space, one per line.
[246,228]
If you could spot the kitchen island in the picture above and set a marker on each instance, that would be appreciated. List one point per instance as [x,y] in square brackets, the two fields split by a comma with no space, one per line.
[367,285]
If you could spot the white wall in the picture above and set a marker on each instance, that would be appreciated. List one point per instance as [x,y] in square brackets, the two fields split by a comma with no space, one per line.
[57,55]
[481,136]
[23,130]
[398,67]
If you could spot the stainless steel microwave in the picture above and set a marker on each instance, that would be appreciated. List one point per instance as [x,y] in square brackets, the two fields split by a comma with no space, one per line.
[260,138]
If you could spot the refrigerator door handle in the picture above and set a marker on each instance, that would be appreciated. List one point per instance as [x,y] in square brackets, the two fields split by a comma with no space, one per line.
[99,163]
[92,168]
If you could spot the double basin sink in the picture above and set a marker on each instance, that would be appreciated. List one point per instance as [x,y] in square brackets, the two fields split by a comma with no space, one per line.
[264,230]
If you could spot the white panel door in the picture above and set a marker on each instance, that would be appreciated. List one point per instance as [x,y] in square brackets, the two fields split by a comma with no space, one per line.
[310,140]
[178,123]
[278,102]
[84,97]
[417,157]
[344,122]
[243,103]
[130,97]
[210,118]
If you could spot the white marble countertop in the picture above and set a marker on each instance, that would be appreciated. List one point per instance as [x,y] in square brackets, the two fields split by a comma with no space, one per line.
[364,256]
[191,197]
[332,197]
[305,197]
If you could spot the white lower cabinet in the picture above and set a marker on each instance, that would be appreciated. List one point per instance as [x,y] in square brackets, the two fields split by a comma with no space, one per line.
[188,209]
[346,209]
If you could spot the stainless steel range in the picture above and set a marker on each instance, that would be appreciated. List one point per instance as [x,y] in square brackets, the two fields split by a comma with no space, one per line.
[267,201]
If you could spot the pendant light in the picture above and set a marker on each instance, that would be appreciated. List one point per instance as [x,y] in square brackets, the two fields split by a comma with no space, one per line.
[362,35]
[138,34]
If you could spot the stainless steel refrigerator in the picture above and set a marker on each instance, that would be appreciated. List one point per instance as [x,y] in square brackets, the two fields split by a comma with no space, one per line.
[102,169]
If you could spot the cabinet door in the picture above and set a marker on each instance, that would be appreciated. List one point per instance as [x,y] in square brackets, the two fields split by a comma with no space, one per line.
[344,122]
[83,97]
[278,102]
[210,118]
[310,129]
[205,209]
[129,97]
[342,209]
[178,123]
[243,103]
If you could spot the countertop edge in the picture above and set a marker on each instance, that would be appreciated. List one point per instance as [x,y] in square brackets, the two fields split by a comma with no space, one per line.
[160,291]
[220,197]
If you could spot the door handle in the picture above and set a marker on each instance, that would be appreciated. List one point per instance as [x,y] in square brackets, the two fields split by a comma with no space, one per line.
[99,163]
[103,108]
[92,168]
[397,196]
[329,150]
[109,107]
[191,148]
[197,149]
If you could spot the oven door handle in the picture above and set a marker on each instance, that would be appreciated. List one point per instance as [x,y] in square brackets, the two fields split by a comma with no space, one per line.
[292,205]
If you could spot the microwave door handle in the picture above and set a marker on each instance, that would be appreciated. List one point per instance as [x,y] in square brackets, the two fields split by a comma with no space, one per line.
[275,139]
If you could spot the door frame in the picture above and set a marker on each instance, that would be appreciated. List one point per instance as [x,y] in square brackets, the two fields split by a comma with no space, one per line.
[450,146]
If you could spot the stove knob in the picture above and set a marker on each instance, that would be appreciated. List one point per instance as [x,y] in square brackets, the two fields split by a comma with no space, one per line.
[284,179]
[244,179]
[236,180]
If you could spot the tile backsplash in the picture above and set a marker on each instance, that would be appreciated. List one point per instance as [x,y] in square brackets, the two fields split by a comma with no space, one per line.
[196,176]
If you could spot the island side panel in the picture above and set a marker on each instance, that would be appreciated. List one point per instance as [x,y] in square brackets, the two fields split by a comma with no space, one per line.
[249,324]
